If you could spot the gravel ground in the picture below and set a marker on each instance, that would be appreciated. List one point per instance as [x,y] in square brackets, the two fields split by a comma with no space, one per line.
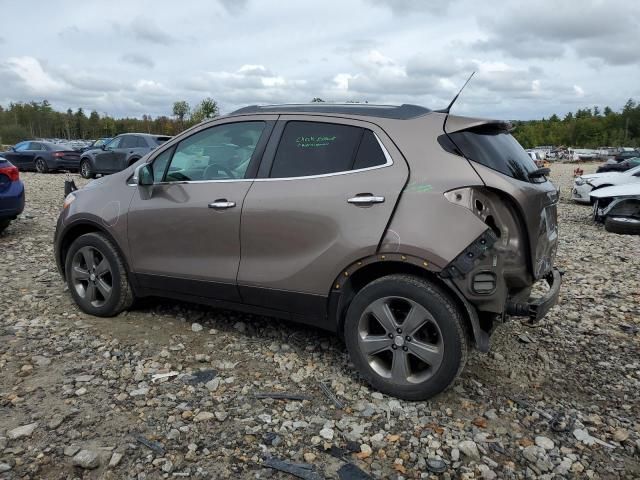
[78,396]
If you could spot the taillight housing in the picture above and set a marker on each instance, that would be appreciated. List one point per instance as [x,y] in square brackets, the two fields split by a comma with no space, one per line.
[58,154]
[10,171]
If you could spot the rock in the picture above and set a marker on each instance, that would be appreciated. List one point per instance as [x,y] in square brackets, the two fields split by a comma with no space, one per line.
[309,457]
[71,450]
[84,378]
[531,453]
[81,391]
[544,442]
[455,454]
[87,459]
[139,392]
[620,435]
[327,433]
[115,459]
[4,467]
[221,416]
[212,385]
[203,417]
[196,327]
[21,432]
[55,422]
[469,449]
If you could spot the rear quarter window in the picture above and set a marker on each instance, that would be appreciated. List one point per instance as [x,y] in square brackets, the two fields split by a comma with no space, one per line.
[496,149]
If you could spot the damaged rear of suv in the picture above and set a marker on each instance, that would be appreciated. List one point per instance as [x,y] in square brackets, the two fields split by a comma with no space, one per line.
[410,233]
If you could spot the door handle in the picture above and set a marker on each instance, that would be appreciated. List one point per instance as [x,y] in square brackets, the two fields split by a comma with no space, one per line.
[222,204]
[366,199]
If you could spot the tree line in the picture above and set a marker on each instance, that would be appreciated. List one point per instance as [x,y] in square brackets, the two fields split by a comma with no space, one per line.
[26,120]
[587,127]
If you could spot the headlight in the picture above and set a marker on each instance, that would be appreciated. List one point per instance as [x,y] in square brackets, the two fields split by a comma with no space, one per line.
[68,200]
[580,181]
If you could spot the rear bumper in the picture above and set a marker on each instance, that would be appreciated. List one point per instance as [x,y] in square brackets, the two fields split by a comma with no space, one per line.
[12,200]
[536,308]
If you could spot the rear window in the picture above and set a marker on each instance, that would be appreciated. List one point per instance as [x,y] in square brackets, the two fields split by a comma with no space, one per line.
[497,150]
[59,147]
[161,140]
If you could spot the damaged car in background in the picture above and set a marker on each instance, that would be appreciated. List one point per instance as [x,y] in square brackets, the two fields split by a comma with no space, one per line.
[585,184]
[618,208]
[410,233]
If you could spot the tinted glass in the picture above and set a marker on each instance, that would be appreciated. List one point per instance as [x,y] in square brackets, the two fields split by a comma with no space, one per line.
[370,153]
[217,153]
[128,141]
[35,146]
[59,147]
[161,140]
[115,143]
[21,147]
[160,165]
[497,150]
[309,148]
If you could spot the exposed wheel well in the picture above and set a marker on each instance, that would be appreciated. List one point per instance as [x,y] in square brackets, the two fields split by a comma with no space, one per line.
[133,160]
[368,273]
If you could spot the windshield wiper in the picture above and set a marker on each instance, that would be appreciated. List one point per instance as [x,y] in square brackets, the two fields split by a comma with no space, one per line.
[540,172]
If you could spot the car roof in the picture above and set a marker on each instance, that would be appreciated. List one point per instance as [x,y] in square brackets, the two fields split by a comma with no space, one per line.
[142,134]
[398,112]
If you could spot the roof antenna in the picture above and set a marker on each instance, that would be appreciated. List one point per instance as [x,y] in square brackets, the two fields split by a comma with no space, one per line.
[446,110]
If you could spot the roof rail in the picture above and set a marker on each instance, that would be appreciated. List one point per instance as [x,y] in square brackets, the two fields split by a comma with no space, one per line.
[398,112]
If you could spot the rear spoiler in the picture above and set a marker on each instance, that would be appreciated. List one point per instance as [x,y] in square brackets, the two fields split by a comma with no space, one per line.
[454,123]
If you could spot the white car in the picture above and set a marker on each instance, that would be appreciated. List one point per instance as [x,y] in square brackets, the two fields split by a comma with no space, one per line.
[584,184]
[618,207]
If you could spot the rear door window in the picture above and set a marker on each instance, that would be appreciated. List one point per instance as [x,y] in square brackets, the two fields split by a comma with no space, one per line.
[128,141]
[313,148]
[496,149]
[370,153]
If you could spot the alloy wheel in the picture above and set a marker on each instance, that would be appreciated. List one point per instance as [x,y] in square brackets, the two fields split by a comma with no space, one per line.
[91,276]
[84,169]
[400,340]
[41,167]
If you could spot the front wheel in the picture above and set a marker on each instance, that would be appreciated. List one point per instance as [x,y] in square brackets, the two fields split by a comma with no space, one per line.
[41,166]
[622,225]
[4,224]
[97,277]
[85,169]
[406,337]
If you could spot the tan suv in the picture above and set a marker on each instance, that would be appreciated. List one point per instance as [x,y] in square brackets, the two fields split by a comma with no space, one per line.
[409,232]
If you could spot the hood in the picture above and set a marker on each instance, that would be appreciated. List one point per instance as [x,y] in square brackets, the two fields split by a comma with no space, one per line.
[628,190]
[590,176]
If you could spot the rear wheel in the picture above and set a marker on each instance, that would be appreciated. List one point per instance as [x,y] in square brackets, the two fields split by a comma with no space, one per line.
[97,277]
[622,225]
[85,169]
[41,166]
[406,337]
[4,224]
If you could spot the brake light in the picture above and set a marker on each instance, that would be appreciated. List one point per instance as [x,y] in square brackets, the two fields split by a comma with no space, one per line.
[11,172]
[58,154]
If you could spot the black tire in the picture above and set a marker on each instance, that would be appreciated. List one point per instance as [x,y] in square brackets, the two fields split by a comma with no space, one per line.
[445,319]
[132,161]
[85,169]
[41,165]
[4,224]
[622,225]
[121,295]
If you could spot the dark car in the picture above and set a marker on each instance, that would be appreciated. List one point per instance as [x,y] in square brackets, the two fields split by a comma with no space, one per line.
[11,193]
[43,156]
[626,155]
[96,144]
[119,153]
[409,232]
[620,166]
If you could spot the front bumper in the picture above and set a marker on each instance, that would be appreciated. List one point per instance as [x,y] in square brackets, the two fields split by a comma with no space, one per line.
[536,308]
[580,193]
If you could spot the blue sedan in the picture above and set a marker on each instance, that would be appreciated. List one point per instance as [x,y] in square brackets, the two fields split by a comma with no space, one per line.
[43,156]
[11,193]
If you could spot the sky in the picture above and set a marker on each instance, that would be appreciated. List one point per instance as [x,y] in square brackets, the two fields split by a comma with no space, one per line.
[128,58]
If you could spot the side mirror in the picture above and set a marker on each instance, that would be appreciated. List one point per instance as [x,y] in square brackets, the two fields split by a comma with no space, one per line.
[143,175]
[103,146]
